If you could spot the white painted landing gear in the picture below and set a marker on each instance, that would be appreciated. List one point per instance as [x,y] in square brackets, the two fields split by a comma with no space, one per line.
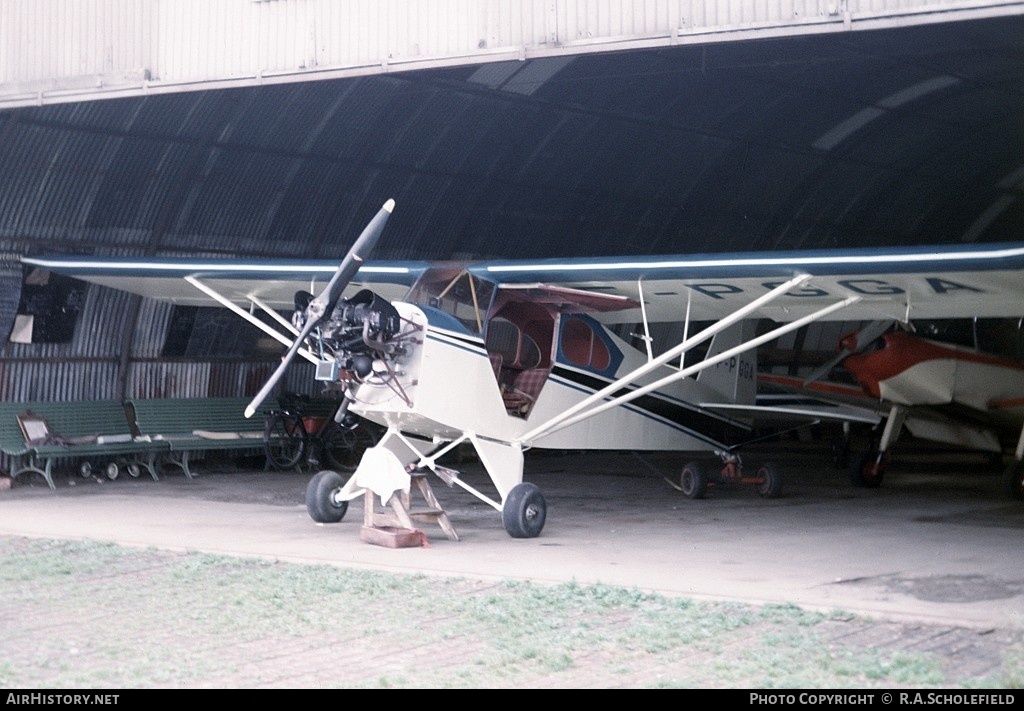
[385,468]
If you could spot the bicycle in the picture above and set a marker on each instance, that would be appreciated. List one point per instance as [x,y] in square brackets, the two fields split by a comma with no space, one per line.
[304,428]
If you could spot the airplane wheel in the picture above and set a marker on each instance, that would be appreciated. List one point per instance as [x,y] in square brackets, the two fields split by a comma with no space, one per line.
[524,511]
[112,470]
[868,472]
[771,481]
[1015,479]
[320,501]
[693,482]
[85,470]
[134,470]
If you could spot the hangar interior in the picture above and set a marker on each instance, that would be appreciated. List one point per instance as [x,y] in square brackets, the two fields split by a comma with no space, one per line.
[901,135]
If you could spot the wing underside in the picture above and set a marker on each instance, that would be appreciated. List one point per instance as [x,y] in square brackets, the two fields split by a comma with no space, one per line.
[925,283]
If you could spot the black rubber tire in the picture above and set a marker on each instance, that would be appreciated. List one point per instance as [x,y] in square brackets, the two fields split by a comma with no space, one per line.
[869,470]
[693,481]
[524,511]
[320,497]
[343,448]
[771,481]
[1014,479]
[284,442]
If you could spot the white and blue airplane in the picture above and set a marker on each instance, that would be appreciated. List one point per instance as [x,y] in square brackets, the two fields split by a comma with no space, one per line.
[510,355]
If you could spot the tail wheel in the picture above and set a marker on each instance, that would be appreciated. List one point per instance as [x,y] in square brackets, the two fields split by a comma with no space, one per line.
[868,472]
[770,486]
[524,511]
[321,503]
[693,482]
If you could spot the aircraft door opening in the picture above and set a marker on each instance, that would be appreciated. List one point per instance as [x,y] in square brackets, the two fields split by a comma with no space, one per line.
[519,341]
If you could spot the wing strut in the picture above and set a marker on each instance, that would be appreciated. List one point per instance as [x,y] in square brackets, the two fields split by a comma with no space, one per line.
[643,314]
[580,413]
[226,303]
[650,366]
[266,308]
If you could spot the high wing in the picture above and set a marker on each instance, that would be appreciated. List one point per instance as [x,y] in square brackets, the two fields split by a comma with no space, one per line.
[271,281]
[897,284]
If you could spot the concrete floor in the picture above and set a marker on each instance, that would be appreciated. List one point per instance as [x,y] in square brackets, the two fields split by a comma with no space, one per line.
[939,542]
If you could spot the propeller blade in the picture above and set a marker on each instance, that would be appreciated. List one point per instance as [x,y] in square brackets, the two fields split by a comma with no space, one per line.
[268,386]
[867,335]
[861,340]
[321,306]
[364,244]
[823,370]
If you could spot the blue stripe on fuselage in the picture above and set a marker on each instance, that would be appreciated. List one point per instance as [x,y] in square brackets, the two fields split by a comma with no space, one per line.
[561,375]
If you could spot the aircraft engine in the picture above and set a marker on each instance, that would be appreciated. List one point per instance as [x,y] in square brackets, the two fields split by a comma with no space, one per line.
[361,329]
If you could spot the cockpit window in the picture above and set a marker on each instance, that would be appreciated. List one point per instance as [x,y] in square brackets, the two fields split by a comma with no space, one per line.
[457,293]
[582,347]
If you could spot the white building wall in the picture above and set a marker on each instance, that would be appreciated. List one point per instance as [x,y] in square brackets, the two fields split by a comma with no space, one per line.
[72,50]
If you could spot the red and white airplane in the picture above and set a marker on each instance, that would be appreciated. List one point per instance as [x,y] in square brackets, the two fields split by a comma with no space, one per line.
[938,391]
[512,355]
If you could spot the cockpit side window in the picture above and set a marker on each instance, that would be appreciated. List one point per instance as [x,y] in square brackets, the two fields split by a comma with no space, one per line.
[582,347]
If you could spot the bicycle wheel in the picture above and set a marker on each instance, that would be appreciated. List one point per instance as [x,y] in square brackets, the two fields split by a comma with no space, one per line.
[284,441]
[343,448]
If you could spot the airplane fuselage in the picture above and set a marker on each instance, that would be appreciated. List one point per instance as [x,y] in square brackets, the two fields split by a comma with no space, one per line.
[908,370]
[447,385]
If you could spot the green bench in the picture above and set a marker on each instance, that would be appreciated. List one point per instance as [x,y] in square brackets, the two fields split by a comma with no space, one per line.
[189,425]
[35,435]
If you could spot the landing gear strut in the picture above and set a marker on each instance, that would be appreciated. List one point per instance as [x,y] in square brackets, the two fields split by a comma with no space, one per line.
[868,471]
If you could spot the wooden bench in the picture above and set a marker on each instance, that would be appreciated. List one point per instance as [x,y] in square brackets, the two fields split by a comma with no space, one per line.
[67,430]
[187,425]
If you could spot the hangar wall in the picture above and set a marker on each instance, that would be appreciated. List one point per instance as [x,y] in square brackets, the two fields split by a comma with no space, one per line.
[65,50]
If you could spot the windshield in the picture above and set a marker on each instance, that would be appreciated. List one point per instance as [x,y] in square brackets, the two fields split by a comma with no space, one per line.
[457,293]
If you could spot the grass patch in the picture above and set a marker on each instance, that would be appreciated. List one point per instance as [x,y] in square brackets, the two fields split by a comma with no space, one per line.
[95,615]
